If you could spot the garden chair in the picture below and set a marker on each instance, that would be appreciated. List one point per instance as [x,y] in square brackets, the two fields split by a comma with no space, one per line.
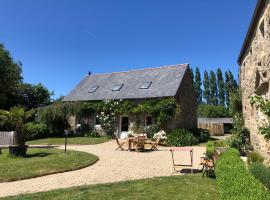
[155,143]
[208,166]
[139,144]
[120,144]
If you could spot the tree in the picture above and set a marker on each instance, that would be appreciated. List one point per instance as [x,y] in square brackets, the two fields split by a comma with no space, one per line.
[10,77]
[17,116]
[211,111]
[206,85]
[198,84]
[33,96]
[234,85]
[213,89]
[235,103]
[221,89]
[191,74]
[230,86]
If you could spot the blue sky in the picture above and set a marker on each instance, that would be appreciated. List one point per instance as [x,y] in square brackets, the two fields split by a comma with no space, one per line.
[59,41]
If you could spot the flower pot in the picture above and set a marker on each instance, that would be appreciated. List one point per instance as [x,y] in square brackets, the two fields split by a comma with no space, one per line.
[19,151]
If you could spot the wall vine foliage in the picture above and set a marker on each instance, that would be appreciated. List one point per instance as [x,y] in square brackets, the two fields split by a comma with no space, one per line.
[56,115]
[264,105]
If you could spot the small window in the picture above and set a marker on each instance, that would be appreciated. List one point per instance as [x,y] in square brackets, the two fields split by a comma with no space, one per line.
[117,87]
[148,120]
[146,85]
[93,89]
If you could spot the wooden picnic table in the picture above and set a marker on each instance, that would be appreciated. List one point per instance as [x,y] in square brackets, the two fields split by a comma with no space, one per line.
[188,149]
[132,140]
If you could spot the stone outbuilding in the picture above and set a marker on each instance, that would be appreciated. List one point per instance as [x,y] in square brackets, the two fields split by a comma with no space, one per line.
[140,85]
[254,61]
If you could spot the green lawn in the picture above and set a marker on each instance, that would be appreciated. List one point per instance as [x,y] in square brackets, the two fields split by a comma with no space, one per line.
[72,140]
[186,187]
[41,162]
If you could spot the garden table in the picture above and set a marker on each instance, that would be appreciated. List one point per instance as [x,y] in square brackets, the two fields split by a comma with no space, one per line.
[132,140]
[186,149]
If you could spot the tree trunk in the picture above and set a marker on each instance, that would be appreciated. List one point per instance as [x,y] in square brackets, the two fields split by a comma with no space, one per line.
[19,148]
[18,135]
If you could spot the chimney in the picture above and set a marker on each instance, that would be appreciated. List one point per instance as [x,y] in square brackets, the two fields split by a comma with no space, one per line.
[89,73]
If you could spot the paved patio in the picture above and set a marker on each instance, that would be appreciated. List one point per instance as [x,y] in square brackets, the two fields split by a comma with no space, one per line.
[113,166]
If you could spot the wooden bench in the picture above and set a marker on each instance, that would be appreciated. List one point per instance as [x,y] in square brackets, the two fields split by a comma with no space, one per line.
[209,163]
[6,139]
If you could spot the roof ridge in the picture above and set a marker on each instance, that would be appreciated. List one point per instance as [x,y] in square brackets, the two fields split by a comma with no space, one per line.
[135,70]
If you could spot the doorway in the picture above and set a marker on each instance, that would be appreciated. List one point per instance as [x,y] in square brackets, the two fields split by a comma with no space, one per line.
[124,124]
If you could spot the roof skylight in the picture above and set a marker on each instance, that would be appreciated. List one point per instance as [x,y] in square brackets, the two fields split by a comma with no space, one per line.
[146,85]
[117,87]
[93,89]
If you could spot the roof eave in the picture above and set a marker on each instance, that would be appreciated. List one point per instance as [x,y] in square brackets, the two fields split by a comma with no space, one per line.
[251,29]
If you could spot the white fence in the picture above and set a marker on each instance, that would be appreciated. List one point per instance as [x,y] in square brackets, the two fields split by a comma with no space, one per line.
[7,138]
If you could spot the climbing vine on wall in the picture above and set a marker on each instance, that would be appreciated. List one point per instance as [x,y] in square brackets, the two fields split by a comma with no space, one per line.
[107,111]
[264,105]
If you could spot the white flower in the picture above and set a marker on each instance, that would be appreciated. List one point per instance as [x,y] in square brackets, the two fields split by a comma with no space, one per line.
[162,134]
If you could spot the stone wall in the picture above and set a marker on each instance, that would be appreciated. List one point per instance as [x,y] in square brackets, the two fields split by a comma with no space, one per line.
[255,78]
[186,98]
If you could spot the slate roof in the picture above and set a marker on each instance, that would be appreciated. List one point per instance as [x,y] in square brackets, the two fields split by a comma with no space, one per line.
[165,83]
[216,120]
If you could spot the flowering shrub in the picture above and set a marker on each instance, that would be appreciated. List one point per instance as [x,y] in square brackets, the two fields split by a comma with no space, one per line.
[162,135]
[108,115]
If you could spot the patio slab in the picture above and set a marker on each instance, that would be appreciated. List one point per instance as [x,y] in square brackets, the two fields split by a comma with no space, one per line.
[113,166]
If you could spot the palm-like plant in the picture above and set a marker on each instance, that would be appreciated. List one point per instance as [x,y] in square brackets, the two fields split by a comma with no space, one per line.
[17,117]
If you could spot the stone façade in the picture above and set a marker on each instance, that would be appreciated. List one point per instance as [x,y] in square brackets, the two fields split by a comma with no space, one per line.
[254,61]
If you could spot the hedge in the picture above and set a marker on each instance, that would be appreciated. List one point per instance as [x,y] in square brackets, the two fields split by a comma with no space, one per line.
[181,137]
[34,131]
[235,181]
[202,135]
[210,149]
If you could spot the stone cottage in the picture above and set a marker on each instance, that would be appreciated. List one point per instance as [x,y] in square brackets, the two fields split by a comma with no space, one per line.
[254,61]
[140,85]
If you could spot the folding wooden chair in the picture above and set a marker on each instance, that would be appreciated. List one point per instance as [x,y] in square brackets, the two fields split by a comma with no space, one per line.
[208,166]
[120,144]
[155,143]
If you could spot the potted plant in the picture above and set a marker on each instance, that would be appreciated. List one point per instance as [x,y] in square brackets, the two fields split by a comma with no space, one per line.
[17,117]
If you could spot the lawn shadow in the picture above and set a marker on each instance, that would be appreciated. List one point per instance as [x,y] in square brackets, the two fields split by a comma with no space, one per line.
[41,154]
[188,171]
[45,146]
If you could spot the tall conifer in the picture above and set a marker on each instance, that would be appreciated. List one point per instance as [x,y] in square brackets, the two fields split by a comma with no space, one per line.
[213,89]
[221,90]
[206,86]
[198,84]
